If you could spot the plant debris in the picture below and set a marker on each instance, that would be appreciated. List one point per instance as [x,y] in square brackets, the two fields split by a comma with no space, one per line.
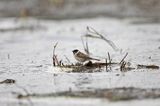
[8,81]
[88,67]
[147,66]
[97,66]
[113,94]
[94,34]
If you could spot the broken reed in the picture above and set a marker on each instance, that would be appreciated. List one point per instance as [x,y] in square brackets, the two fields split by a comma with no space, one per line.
[122,66]
[85,44]
[147,66]
[92,33]
[106,65]
[55,60]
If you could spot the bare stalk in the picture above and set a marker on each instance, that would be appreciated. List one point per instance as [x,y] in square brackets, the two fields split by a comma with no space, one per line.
[100,36]
[67,59]
[123,58]
[109,57]
[106,65]
[54,56]
[85,45]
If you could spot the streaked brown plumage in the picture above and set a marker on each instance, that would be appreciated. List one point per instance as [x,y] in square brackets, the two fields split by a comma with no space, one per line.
[81,57]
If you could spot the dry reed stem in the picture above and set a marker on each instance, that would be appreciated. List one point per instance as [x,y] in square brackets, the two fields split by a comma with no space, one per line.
[100,36]
[85,45]
[122,67]
[106,65]
[109,57]
[55,60]
[147,66]
[123,58]
[67,59]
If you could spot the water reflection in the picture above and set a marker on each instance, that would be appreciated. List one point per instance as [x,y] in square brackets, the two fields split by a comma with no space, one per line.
[83,81]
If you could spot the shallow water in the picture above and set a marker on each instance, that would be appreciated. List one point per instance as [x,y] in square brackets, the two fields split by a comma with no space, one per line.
[26,56]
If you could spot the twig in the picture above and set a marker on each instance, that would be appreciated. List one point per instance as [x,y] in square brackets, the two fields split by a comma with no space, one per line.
[106,65]
[56,60]
[54,64]
[85,45]
[87,48]
[109,57]
[60,62]
[92,36]
[54,56]
[67,59]
[93,31]
[122,67]
[147,66]
[123,58]
[55,48]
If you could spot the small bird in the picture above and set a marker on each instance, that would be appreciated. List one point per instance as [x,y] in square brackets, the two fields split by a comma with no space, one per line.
[81,57]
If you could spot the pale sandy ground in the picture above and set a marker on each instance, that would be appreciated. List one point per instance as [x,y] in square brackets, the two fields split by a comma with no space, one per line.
[26,56]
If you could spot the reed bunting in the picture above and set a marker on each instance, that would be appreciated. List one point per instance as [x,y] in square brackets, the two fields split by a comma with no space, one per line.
[81,57]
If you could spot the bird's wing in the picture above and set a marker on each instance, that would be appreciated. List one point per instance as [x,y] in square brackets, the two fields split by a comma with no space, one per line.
[82,55]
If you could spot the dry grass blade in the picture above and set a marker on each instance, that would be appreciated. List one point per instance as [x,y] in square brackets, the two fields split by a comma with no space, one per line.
[54,64]
[122,67]
[110,60]
[85,45]
[109,57]
[87,48]
[106,65]
[100,36]
[92,36]
[123,58]
[54,48]
[67,59]
[55,60]
[147,66]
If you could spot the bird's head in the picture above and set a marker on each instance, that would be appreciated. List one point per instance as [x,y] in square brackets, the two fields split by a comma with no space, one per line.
[75,51]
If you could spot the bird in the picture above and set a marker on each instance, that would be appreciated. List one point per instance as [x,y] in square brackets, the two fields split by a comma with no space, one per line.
[81,57]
